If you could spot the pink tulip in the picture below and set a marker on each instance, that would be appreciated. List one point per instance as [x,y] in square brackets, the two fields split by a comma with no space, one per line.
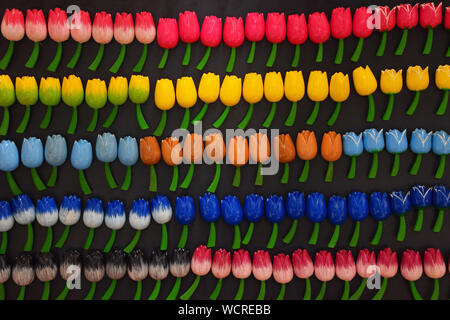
[102,28]
[303,266]
[411,265]
[241,267]
[345,265]
[124,28]
[262,270]
[13,25]
[210,36]
[282,268]
[434,265]
[81,28]
[58,25]
[145,28]
[297,34]
[167,37]
[323,266]
[387,263]
[366,263]
[201,261]
[36,30]
[221,268]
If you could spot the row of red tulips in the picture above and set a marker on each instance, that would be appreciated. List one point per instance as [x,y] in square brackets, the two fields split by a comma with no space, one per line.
[274,28]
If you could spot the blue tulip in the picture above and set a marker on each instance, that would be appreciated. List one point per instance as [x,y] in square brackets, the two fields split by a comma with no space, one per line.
[9,156]
[353,144]
[373,143]
[93,218]
[295,205]
[115,220]
[275,213]
[106,147]
[70,210]
[210,212]
[24,213]
[139,219]
[185,214]
[6,221]
[162,213]
[380,208]
[128,151]
[358,210]
[46,211]
[55,150]
[396,141]
[441,200]
[401,205]
[81,159]
[420,142]
[316,211]
[421,197]
[232,214]
[253,212]
[32,154]
[337,214]
[441,143]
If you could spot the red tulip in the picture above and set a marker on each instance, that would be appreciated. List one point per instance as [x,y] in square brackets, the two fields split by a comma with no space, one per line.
[386,18]
[221,268]
[80,30]
[201,261]
[318,31]
[189,32]
[275,27]
[254,31]
[361,29]
[447,18]
[303,266]
[210,36]
[167,37]
[411,265]
[262,265]
[13,29]
[145,27]
[323,266]
[241,268]
[233,36]
[366,263]
[387,263]
[297,34]
[341,27]
[407,18]
[345,265]
[282,268]
[434,265]
[102,28]
[430,17]
[58,30]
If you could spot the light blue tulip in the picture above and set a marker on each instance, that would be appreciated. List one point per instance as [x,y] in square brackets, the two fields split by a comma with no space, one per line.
[106,147]
[353,144]
[32,153]
[55,150]
[420,141]
[128,151]
[9,156]
[396,141]
[373,140]
[81,156]
[441,143]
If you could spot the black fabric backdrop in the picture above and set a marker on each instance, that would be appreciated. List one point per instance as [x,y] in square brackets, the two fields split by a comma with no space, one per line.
[352,118]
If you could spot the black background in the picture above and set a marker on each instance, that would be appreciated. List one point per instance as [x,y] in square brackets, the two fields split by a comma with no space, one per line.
[352,118]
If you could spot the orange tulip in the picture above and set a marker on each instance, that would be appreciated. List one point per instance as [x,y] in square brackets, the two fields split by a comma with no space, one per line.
[306,145]
[150,155]
[172,155]
[192,152]
[237,152]
[284,153]
[331,150]
[259,152]
[215,150]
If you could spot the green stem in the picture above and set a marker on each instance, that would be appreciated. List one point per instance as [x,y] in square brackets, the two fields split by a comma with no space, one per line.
[73,122]
[57,59]
[270,116]
[305,172]
[212,235]
[444,102]
[183,237]
[285,177]
[329,174]
[5,122]
[164,237]
[112,287]
[37,180]
[243,124]
[161,125]
[98,58]
[389,108]
[296,58]
[174,292]
[7,57]
[127,181]
[376,238]
[30,238]
[412,108]
[439,221]
[382,46]
[185,122]
[435,295]
[358,50]
[272,56]
[290,120]
[130,247]
[140,65]
[335,237]
[215,182]
[259,176]
[352,171]
[47,118]
[236,238]
[111,117]
[447,54]
[396,165]
[282,292]
[46,291]
[230,65]
[402,44]
[201,114]
[441,168]
[4,244]
[313,116]
[155,291]
[322,291]
[21,295]
[314,234]
[307,295]
[429,42]
[118,63]
[240,292]
[91,292]
[162,62]
[76,56]
[174,183]
[419,220]
[64,293]
[24,123]
[62,240]
[15,189]
[187,55]
[109,176]
[215,294]
[189,292]
[237,177]
[339,52]
[380,293]
[355,237]
[262,290]
[371,112]
[140,118]
[249,234]
[346,292]
[187,180]
[110,242]
[138,294]
[415,293]
[335,114]
[416,166]
[273,236]
[94,120]
[374,166]
[291,233]
[46,247]
[359,291]
[218,123]
[204,60]
[89,239]
[251,54]
[31,62]
[153,186]
[319,56]
[401,233]
[83,183]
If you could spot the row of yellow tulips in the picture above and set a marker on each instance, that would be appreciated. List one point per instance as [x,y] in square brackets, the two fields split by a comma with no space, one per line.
[252,89]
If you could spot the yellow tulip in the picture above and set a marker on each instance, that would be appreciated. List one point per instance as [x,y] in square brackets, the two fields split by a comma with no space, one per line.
[443,83]
[230,91]
[27,90]
[273,92]
[72,91]
[7,99]
[186,93]
[391,81]
[317,91]
[164,94]
[366,84]
[118,90]
[96,96]
[209,87]
[253,88]
[139,91]
[50,96]
[417,79]
[339,92]
[294,90]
